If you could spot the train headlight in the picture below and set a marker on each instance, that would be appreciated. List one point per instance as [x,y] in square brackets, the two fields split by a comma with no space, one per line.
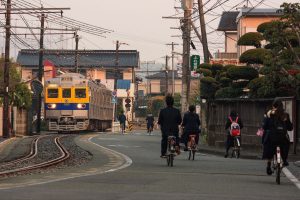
[81,106]
[51,106]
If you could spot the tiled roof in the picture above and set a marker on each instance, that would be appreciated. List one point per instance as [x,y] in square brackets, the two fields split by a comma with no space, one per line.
[162,75]
[228,21]
[267,12]
[87,58]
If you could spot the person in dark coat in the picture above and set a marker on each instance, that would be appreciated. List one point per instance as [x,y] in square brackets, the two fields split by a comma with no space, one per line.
[229,141]
[277,123]
[169,119]
[122,120]
[190,124]
[150,122]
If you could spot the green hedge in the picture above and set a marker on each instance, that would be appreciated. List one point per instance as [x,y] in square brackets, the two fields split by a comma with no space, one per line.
[208,87]
[298,77]
[240,84]
[251,39]
[262,27]
[254,56]
[229,92]
[205,66]
[205,72]
[225,82]
[242,72]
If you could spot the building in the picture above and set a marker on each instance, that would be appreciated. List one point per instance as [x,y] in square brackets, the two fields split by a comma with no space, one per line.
[237,23]
[94,64]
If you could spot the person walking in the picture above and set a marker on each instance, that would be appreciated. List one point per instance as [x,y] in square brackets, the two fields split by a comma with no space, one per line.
[169,119]
[277,123]
[190,124]
[232,118]
[150,123]
[122,120]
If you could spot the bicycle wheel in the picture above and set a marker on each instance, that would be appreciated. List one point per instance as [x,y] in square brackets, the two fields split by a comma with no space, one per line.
[194,152]
[171,160]
[278,171]
[190,154]
[168,160]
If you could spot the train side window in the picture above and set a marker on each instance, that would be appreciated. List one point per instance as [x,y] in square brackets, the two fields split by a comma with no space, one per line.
[66,93]
[80,93]
[53,93]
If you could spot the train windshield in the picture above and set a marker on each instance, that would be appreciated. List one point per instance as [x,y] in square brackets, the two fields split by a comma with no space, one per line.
[66,93]
[52,93]
[80,93]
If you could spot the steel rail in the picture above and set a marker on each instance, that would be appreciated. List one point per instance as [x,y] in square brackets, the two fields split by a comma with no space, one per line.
[64,156]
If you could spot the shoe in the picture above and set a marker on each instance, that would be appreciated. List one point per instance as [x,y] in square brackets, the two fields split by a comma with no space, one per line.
[269,170]
[286,163]
[185,149]
[163,156]
[226,155]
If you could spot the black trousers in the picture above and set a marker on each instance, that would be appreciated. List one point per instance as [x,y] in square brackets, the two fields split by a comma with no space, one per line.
[164,142]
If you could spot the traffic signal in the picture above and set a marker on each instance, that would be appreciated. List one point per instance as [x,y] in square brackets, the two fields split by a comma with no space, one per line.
[127,101]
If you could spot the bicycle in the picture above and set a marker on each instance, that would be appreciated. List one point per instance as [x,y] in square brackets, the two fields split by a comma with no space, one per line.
[150,129]
[192,146]
[236,146]
[171,150]
[277,164]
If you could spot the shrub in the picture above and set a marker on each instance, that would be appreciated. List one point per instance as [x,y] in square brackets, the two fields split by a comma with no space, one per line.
[229,92]
[208,87]
[226,67]
[265,70]
[215,68]
[240,84]
[254,56]
[242,72]
[298,77]
[251,39]
[225,82]
[205,72]
[205,66]
[264,26]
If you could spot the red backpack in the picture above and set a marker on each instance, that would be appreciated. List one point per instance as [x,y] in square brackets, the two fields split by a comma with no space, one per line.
[235,129]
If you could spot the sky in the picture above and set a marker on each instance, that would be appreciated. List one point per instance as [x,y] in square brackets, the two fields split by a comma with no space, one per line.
[138,23]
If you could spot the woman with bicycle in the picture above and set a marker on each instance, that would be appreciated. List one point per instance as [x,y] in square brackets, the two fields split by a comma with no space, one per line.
[190,124]
[276,125]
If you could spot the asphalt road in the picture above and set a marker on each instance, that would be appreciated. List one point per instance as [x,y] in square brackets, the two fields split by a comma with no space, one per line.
[148,177]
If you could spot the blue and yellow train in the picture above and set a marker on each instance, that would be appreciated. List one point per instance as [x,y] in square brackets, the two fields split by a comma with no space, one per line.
[74,103]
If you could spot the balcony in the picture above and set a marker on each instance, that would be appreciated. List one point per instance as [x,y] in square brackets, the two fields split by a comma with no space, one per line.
[223,55]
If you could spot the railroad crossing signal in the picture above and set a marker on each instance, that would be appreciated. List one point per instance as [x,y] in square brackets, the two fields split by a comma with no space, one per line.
[127,101]
[195,62]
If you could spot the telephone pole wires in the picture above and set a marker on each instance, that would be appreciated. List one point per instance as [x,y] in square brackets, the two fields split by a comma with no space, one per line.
[203,32]
[6,133]
[188,6]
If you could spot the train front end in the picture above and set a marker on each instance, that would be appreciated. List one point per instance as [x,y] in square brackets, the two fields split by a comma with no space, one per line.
[67,103]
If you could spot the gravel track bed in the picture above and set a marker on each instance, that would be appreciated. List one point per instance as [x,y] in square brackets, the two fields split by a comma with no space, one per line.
[48,150]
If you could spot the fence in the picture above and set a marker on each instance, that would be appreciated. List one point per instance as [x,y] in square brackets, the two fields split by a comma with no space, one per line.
[251,112]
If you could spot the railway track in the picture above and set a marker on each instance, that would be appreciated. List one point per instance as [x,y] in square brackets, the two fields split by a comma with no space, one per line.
[64,155]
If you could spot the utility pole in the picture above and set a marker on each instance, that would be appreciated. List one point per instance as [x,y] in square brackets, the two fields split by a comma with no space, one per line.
[173,70]
[167,75]
[200,38]
[41,72]
[76,51]
[116,70]
[203,32]
[6,72]
[188,6]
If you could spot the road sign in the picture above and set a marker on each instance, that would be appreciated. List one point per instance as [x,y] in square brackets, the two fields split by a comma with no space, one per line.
[195,62]
[114,100]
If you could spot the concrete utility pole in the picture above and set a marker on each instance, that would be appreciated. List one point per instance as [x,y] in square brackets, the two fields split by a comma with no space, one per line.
[187,6]
[200,38]
[115,76]
[76,51]
[173,70]
[41,72]
[6,72]
[167,75]
[203,32]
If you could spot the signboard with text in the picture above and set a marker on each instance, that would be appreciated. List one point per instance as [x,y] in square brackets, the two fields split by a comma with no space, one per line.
[195,62]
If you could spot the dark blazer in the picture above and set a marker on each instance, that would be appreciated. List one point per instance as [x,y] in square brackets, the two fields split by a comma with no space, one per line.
[150,119]
[269,122]
[169,119]
[191,123]
[122,118]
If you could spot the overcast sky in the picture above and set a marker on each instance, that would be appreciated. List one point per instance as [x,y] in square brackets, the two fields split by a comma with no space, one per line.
[139,23]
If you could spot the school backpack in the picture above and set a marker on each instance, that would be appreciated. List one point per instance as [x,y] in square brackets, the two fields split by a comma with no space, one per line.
[235,129]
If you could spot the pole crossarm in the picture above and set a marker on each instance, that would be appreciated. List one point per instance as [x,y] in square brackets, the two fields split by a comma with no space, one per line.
[40,9]
[49,29]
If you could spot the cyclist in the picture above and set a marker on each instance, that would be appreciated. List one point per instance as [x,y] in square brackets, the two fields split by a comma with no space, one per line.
[276,124]
[150,123]
[169,119]
[190,124]
[233,117]
[122,120]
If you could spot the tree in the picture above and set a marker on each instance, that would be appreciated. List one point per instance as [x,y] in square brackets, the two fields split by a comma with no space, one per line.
[251,39]
[254,56]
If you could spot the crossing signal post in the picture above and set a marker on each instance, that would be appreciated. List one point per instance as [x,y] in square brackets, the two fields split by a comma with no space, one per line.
[127,105]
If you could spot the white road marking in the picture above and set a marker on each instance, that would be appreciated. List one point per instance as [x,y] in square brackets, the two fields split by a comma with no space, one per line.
[124,146]
[292,178]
